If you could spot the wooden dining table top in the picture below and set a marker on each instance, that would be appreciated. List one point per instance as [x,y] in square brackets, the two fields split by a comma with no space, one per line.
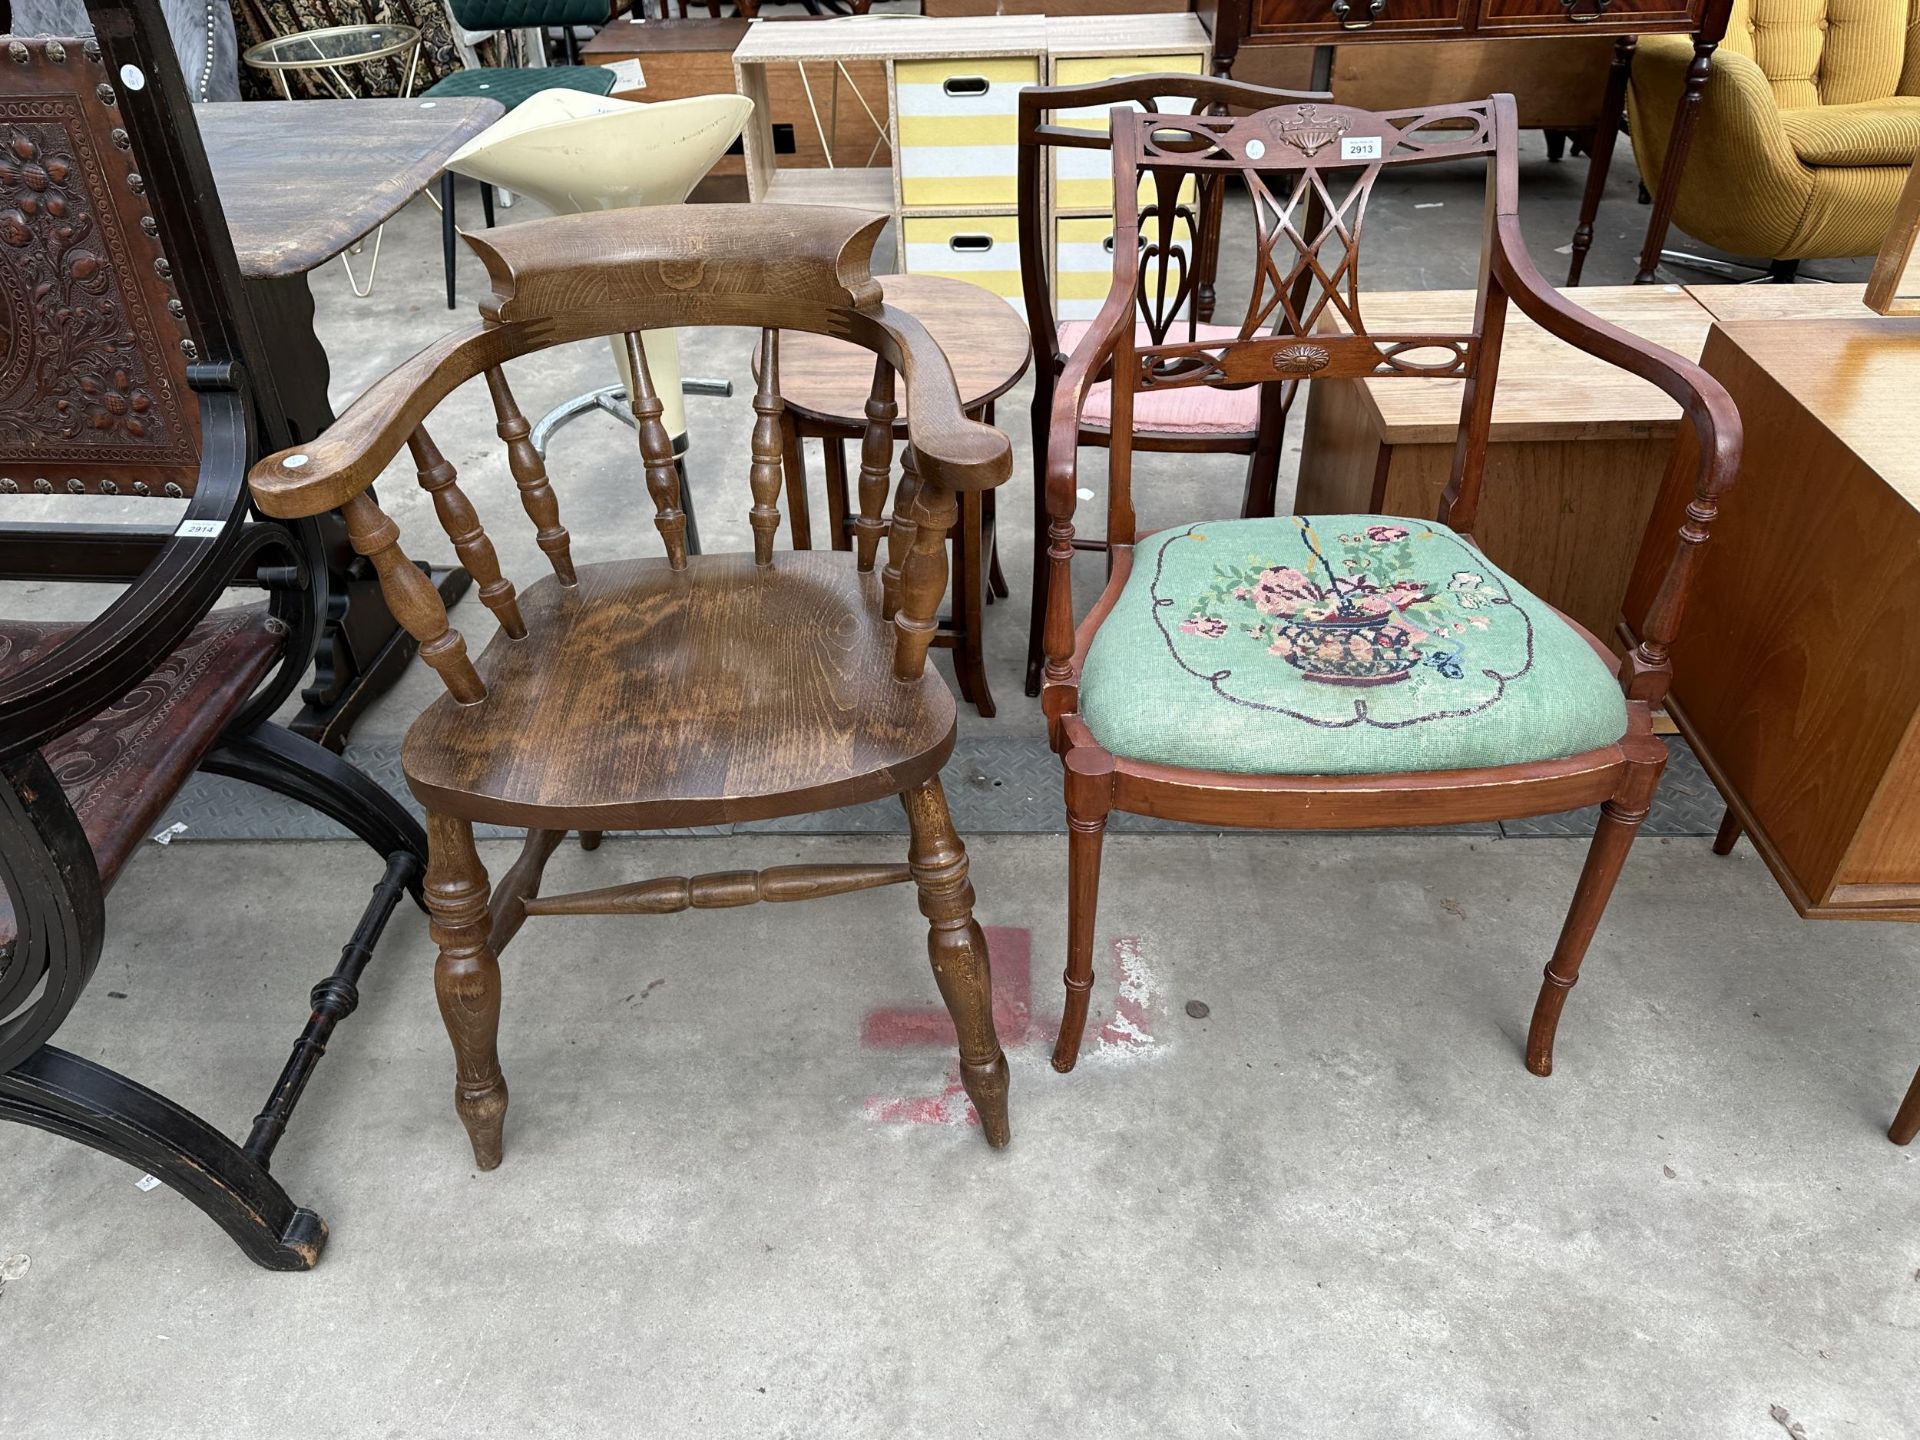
[301,180]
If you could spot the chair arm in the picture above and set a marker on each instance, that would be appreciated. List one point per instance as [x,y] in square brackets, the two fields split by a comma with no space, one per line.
[1707,408]
[105,659]
[326,472]
[1083,370]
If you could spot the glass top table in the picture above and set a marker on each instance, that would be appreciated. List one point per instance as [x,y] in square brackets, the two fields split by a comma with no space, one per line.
[325,51]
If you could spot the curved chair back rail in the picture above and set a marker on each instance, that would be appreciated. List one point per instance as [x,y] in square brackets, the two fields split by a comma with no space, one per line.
[622,273]
[1304,315]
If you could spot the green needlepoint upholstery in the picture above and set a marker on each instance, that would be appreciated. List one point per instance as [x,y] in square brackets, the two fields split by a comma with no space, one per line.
[510,86]
[1338,645]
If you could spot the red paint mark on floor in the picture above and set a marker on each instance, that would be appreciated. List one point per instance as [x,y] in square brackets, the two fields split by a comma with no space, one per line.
[1126,1029]
[1010,952]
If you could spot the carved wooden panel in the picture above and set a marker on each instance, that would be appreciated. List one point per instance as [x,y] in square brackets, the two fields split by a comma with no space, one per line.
[93,349]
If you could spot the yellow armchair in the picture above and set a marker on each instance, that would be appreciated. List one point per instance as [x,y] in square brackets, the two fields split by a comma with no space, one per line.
[1807,127]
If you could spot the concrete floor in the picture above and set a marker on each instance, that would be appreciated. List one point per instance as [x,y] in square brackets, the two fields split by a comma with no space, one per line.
[1337,1205]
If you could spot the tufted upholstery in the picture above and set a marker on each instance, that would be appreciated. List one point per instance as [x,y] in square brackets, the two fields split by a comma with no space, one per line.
[1810,123]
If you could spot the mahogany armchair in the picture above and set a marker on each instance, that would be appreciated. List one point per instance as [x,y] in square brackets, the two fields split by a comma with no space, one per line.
[677,690]
[1345,671]
[124,375]
[1064,142]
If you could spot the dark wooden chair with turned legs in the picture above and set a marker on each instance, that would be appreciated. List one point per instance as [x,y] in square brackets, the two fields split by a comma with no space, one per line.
[667,692]
[1345,671]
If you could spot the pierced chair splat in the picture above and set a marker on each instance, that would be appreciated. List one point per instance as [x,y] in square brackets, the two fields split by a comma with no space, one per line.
[1345,671]
[685,689]
[1064,143]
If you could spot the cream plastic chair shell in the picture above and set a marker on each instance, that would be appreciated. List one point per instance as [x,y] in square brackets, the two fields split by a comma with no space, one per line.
[573,152]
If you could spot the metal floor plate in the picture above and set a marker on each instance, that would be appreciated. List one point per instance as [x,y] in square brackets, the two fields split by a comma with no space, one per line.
[995,785]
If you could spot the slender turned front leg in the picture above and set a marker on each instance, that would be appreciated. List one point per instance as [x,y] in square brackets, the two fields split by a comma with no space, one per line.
[466,981]
[1679,142]
[1600,160]
[1906,1124]
[958,949]
[1611,841]
[1089,799]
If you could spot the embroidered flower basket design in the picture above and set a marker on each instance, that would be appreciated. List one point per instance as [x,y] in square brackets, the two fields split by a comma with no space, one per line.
[1368,610]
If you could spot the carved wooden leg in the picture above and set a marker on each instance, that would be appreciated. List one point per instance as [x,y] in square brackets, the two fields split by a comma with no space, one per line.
[1600,157]
[1679,142]
[467,981]
[1729,833]
[1906,1124]
[1611,841]
[1089,799]
[958,950]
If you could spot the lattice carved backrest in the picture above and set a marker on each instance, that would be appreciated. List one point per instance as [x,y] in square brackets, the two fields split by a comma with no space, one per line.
[1066,144]
[621,273]
[1309,171]
[93,341]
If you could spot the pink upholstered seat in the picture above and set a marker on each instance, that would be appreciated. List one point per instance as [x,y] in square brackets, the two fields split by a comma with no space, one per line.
[1187,410]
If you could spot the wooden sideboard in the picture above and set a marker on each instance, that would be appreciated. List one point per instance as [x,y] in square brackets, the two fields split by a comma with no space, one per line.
[1238,24]
[1797,673]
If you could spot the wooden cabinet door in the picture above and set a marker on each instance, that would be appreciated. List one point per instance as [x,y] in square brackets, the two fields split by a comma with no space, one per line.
[1638,16]
[1315,20]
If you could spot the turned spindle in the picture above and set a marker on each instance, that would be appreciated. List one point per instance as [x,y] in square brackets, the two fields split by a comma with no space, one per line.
[530,475]
[462,524]
[876,465]
[923,575]
[412,598]
[906,499]
[766,474]
[656,456]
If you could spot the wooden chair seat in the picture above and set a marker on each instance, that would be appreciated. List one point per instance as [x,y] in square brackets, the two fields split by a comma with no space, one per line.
[121,769]
[645,698]
[1338,645]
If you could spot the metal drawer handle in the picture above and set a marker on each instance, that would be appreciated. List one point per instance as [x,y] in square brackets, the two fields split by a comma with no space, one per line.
[1341,9]
[1599,11]
[970,244]
[965,85]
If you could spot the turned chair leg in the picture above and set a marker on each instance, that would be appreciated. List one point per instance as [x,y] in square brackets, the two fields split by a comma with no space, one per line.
[1729,833]
[958,949]
[1906,1124]
[1608,855]
[467,981]
[1089,799]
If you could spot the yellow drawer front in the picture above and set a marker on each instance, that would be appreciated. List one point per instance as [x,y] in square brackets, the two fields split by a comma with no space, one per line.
[1083,265]
[1083,179]
[957,120]
[983,249]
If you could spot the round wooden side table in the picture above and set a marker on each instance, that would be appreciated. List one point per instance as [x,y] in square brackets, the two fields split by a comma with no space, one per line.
[825,383]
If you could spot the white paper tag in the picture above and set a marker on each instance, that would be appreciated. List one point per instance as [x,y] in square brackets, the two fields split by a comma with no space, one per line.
[1360,147]
[147,1182]
[165,837]
[627,75]
[200,529]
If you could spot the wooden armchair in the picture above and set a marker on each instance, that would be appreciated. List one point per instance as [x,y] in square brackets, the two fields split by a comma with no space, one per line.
[1345,671]
[1064,142]
[125,376]
[655,693]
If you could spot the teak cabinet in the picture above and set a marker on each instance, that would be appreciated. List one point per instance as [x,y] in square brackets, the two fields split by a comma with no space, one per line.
[1797,676]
